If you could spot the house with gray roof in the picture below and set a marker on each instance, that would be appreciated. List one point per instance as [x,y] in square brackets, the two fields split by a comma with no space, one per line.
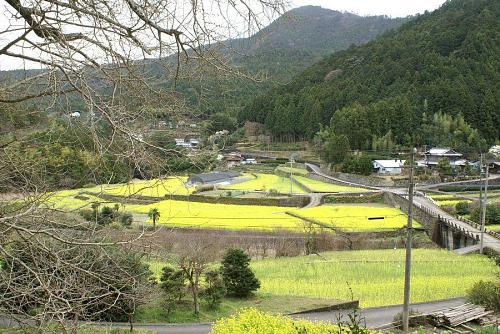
[432,157]
[212,178]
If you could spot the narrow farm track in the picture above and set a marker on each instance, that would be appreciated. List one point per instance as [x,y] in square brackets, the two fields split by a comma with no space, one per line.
[316,199]
[422,202]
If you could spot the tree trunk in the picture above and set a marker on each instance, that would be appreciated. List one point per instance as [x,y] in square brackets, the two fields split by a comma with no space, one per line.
[131,323]
[194,291]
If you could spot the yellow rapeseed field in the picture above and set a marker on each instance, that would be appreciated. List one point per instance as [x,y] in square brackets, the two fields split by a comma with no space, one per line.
[251,321]
[323,187]
[267,182]
[152,188]
[206,215]
[357,217]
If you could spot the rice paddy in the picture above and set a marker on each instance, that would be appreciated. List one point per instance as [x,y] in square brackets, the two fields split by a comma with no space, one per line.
[376,276]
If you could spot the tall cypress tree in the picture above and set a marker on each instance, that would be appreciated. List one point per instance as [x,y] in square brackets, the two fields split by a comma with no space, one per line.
[238,278]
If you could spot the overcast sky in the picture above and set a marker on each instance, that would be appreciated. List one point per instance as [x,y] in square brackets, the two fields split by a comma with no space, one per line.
[394,8]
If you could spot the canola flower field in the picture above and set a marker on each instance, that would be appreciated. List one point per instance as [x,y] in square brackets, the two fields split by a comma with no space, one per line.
[354,217]
[358,217]
[253,321]
[266,182]
[323,187]
[375,276]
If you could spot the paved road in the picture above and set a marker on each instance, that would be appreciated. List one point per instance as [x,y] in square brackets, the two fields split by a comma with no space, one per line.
[379,316]
[420,201]
[372,317]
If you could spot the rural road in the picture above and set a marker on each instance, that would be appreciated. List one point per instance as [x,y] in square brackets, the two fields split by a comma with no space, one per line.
[379,316]
[372,317]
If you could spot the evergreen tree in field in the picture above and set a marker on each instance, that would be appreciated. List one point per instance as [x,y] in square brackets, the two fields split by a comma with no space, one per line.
[238,278]
[173,285]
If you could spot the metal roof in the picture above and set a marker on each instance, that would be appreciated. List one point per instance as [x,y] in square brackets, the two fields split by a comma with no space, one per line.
[390,163]
[213,177]
[446,151]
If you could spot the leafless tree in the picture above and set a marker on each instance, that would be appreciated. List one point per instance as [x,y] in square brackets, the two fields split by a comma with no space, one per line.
[97,52]
[193,257]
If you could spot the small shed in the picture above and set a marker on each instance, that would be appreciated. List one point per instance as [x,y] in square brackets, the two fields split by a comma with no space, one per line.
[212,177]
[392,167]
[495,167]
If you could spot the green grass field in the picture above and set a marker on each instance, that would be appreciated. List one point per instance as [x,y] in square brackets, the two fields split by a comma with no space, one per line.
[376,276]
[323,187]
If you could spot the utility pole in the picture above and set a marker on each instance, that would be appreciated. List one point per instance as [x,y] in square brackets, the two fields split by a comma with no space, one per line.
[409,229]
[484,203]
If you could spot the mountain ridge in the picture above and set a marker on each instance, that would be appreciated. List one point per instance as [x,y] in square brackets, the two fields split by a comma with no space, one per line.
[445,61]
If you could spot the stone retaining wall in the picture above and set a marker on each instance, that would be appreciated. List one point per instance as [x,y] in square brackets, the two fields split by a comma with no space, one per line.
[295,201]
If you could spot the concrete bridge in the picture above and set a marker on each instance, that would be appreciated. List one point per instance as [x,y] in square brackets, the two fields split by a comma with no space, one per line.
[459,235]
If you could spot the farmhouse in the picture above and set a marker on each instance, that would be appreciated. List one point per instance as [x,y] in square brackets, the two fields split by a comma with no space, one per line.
[432,157]
[212,178]
[393,167]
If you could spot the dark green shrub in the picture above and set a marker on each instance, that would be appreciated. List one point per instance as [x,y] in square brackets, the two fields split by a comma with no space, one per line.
[238,278]
[173,285]
[87,214]
[126,219]
[106,216]
[462,208]
[492,214]
[215,289]
[486,294]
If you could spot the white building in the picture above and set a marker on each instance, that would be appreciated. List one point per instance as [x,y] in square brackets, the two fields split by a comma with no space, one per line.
[187,143]
[392,167]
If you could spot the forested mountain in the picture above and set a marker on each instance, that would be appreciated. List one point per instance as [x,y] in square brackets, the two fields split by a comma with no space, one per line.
[296,40]
[424,75]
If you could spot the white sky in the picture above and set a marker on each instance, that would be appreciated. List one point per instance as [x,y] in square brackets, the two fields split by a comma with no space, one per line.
[393,8]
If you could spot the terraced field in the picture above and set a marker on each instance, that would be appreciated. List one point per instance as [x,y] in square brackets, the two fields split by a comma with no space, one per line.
[355,217]
[323,187]
[267,182]
[376,276]
[358,217]
[453,199]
